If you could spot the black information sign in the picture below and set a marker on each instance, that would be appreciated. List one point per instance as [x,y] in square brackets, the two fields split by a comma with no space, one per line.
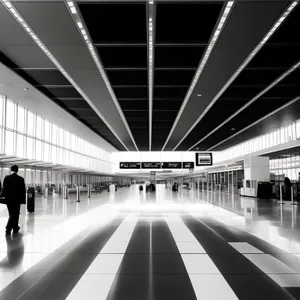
[204,159]
[171,165]
[189,165]
[130,165]
[151,165]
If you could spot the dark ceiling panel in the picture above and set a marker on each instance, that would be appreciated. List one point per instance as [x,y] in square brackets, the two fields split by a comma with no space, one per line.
[277,56]
[186,22]
[115,22]
[132,92]
[68,92]
[289,90]
[134,105]
[122,47]
[75,104]
[173,77]
[167,105]
[183,30]
[178,57]
[113,57]
[268,56]
[173,92]
[238,38]
[125,77]
[215,116]
[39,77]
[283,117]
[48,77]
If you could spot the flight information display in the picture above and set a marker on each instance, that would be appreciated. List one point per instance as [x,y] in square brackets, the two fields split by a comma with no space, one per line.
[157,165]
[130,165]
[204,159]
[189,165]
[171,165]
[151,165]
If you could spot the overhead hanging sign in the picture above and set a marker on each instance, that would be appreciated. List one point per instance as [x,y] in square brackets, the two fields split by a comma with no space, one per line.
[130,165]
[188,165]
[171,165]
[151,165]
[204,159]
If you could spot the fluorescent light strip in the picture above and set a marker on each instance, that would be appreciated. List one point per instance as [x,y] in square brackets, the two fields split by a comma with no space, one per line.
[150,72]
[256,122]
[242,66]
[21,21]
[201,67]
[84,33]
[250,102]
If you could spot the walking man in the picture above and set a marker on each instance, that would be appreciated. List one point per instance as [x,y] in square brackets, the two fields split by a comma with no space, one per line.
[15,195]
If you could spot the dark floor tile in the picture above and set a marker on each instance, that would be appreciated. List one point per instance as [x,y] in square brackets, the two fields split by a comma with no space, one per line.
[155,263]
[295,292]
[256,287]
[51,286]
[246,280]
[149,287]
[57,263]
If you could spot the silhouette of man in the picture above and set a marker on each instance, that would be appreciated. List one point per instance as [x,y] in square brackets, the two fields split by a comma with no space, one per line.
[15,195]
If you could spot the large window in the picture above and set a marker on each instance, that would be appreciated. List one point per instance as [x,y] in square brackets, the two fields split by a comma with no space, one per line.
[30,136]
[9,143]
[287,166]
[30,123]
[39,127]
[280,136]
[10,115]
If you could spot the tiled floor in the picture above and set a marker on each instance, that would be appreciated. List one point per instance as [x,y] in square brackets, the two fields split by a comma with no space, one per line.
[163,245]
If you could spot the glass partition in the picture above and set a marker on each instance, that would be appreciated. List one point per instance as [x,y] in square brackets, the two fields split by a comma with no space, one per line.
[27,135]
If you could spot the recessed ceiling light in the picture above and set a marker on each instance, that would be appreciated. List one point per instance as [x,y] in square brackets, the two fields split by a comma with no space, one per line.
[26,89]
[199,95]
[197,148]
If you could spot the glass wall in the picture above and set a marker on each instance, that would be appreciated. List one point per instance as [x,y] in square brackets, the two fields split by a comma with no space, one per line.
[27,135]
[288,166]
[280,136]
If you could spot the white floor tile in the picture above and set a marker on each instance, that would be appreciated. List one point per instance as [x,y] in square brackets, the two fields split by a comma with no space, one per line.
[286,280]
[244,247]
[97,286]
[269,264]
[190,247]
[199,264]
[7,277]
[211,287]
[26,261]
[92,287]
[205,277]
[105,264]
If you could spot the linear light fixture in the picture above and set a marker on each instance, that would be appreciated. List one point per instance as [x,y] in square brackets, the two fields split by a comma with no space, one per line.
[201,66]
[242,66]
[9,6]
[275,82]
[256,122]
[84,33]
[151,15]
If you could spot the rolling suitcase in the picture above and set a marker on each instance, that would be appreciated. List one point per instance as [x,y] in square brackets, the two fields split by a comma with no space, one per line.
[30,199]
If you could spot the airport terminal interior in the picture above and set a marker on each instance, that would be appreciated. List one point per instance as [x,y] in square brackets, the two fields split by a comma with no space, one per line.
[159,145]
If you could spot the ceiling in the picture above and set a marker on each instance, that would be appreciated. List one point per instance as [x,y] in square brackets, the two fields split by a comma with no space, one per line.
[164,75]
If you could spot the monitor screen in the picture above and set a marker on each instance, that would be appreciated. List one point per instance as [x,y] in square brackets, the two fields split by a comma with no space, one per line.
[204,159]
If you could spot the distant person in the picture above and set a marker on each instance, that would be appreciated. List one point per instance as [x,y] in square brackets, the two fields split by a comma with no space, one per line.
[15,194]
